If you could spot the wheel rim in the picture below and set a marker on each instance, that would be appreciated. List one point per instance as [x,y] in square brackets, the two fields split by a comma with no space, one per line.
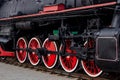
[89,66]
[33,57]
[68,63]
[21,54]
[50,60]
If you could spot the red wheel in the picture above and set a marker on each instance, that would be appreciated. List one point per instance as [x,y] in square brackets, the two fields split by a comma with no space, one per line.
[50,60]
[21,54]
[89,66]
[33,57]
[68,63]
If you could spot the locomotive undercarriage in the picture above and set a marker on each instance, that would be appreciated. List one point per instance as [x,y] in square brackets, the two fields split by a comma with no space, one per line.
[72,37]
[69,47]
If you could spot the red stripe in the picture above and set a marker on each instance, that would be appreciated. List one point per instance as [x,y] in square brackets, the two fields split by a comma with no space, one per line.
[68,10]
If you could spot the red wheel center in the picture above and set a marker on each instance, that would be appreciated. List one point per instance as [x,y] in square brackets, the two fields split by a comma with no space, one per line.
[22,54]
[50,58]
[69,62]
[34,45]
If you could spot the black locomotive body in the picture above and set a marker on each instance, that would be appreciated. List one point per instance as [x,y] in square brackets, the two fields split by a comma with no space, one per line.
[75,31]
[21,7]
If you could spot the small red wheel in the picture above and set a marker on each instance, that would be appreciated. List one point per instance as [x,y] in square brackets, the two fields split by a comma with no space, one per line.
[21,54]
[50,60]
[34,43]
[89,66]
[68,63]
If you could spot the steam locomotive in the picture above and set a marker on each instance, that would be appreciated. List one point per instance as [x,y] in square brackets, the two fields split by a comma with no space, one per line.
[73,32]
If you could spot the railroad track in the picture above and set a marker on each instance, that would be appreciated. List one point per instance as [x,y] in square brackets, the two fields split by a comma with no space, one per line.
[79,74]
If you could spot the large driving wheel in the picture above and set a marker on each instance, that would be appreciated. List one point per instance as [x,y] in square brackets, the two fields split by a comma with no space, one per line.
[68,63]
[21,54]
[50,59]
[34,43]
[89,66]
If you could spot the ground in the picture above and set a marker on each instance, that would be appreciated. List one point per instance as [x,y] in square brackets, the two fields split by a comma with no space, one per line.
[11,72]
